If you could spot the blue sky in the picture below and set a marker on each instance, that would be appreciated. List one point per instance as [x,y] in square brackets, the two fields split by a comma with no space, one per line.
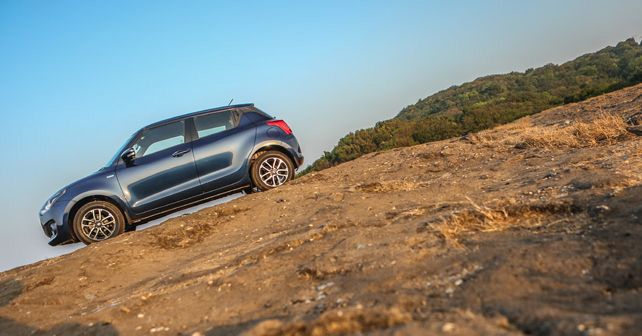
[78,77]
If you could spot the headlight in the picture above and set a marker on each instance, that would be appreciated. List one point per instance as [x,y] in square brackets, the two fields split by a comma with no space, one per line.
[52,200]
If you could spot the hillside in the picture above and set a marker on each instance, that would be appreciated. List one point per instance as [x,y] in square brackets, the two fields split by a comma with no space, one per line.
[533,227]
[494,100]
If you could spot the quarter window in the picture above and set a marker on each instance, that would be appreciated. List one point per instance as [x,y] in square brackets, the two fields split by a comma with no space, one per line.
[216,122]
[160,138]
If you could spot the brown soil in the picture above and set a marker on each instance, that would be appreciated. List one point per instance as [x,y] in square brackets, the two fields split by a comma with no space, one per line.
[530,228]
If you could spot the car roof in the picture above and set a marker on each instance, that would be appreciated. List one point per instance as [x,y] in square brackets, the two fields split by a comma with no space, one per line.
[249,106]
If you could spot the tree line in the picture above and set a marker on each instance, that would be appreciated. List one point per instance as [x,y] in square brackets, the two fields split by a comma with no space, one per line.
[494,100]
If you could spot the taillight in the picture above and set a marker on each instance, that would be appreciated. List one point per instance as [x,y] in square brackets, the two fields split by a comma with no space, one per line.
[280,124]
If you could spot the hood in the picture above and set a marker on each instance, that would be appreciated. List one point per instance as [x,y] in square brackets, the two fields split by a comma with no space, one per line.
[85,183]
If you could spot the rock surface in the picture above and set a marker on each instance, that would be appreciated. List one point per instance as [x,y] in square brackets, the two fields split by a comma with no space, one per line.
[637,130]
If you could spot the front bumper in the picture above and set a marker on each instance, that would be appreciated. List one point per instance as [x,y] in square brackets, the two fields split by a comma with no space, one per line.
[54,224]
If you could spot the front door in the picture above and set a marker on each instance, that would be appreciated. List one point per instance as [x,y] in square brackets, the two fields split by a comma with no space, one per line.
[163,173]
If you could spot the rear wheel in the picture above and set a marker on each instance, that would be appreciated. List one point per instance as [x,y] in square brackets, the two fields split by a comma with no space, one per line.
[271,169]
[97,221]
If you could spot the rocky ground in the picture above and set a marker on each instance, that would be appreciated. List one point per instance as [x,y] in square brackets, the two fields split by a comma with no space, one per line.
[530,228]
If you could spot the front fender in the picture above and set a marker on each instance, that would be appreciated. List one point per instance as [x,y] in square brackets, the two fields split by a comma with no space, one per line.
[100,194]
[101,185]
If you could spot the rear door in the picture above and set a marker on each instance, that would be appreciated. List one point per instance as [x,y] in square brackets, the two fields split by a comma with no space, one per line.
[163,172]
[222,147]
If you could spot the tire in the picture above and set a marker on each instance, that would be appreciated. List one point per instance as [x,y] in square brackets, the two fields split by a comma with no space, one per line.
[97,221]
[271,169]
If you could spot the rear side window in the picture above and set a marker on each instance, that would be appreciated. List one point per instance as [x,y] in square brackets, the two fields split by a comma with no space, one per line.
[251,117]
[160,138]
[216,122]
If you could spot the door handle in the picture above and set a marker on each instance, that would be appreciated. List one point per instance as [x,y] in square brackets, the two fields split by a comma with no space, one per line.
[180,153]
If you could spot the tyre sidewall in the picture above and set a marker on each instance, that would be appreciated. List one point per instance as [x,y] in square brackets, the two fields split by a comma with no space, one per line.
[256,180]
[120,220]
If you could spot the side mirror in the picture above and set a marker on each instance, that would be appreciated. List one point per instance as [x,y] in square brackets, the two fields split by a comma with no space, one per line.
[128,155]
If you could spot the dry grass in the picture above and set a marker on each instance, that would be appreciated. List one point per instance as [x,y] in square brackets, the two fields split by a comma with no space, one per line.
[604,129]
[481,218]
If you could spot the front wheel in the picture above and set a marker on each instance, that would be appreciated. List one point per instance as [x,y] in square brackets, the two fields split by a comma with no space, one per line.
[271,169]
[97,221]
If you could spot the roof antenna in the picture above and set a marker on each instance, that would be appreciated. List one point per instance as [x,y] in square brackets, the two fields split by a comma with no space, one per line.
[230,103]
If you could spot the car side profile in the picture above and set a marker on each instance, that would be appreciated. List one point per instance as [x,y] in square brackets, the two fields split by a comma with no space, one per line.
[173,164]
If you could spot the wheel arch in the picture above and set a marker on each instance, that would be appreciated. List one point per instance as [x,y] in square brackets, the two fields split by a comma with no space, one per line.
[91,198]
[269,147]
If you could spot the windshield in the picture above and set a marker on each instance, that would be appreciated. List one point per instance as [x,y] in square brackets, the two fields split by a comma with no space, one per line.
[120,151]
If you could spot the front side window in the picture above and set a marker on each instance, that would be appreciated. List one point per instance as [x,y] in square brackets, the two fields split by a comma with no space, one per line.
[160,138]
[216,122]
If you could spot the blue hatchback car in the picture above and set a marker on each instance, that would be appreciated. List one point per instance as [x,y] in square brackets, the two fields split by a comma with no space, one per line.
[173,164]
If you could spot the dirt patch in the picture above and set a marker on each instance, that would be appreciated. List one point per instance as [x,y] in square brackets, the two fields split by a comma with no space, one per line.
[387,186]
[192,231]
[341,322]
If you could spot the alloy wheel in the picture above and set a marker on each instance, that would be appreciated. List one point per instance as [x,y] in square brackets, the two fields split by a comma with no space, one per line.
[98,224]
[273,171]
